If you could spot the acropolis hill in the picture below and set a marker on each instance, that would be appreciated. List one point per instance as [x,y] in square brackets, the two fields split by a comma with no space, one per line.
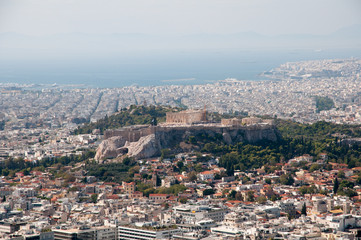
[144,141]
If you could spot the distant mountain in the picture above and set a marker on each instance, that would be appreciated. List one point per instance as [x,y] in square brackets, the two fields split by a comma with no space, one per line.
[353,31]
[14,45]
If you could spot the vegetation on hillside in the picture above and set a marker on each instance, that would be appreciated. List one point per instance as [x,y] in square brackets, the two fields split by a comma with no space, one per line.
[318,130]
[126,117]
[297,139]
[11,166]
[113,172]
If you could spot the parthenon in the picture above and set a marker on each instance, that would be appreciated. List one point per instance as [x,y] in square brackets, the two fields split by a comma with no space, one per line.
[186,117]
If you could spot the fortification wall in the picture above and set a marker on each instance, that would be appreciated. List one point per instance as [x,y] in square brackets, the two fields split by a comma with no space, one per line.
[186,117]
[231,122]
[253,133]
[130,134]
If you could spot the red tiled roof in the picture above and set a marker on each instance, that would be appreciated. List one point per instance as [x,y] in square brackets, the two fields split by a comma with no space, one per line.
[158,195]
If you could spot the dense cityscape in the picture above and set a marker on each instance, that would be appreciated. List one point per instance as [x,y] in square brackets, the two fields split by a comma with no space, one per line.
[52,187]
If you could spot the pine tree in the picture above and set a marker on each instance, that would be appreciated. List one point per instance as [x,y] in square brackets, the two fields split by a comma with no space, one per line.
[304,209]
[335,186]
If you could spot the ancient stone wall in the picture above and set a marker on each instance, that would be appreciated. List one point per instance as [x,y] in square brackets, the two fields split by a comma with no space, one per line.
[251,120]
[186,117]
[231,122]
[132,133]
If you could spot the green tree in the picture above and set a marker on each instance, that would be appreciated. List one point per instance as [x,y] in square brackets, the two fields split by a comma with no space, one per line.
[324,103]
[250,196]
[208,191]
[232,195]
[261,199]
[192,140]
[335,186]
[341,174]
[239,196]
[165,153]
[192,176]
[94,198]
[268,181]
[180,165]
[286,179]
[314,167]
[198,168]
[304,209]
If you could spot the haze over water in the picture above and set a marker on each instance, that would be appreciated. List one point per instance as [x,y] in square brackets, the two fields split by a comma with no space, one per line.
[159,68]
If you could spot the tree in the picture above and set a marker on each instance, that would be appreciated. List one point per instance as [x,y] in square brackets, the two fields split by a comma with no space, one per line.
[268,181]
[232,195]
[335,186]
[208,191]
[165,153]
[261,199]
[304,209]
[198,168]
[308,190]
[158,181]
[192,140]
[323,103]
[69,178]
[250,196]
[286,179]
[314,167]
[341,174]
[180,165]
[239,196]
[94,198]
[192,176]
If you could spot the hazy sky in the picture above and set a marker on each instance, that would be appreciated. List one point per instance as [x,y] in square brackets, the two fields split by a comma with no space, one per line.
[42,17]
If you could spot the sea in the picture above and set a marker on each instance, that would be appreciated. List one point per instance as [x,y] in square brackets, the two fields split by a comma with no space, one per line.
[154,68]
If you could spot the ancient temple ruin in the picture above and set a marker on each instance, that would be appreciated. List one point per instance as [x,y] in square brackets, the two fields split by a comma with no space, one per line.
[186,117]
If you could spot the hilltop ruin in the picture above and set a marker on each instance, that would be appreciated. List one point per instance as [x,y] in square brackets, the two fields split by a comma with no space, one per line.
[145,141]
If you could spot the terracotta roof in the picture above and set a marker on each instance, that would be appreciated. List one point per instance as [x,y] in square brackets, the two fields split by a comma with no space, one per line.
[158,195]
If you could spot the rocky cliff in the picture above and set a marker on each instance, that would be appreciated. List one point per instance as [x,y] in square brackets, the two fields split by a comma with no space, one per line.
[141,142]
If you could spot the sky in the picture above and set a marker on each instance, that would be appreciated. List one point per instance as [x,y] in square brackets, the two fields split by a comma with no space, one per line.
[126,41]
[177,17]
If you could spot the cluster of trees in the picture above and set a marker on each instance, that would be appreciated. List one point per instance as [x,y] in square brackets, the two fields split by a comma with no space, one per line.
[324,103]
[250,196]
[147,189]
[344,187]
[317,130]
[132,116]
[113,172]
[12,165]
[297,139]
